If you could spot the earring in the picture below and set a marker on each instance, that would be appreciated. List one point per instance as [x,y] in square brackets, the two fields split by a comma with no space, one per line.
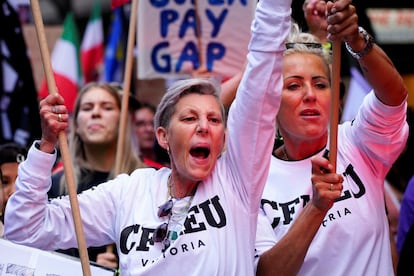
[278,139]
[279,136]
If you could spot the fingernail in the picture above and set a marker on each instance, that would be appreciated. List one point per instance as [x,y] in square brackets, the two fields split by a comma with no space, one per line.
[329,37]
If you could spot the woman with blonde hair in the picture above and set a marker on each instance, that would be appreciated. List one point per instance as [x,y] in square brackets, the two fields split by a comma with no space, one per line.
[93,140]
[318,219]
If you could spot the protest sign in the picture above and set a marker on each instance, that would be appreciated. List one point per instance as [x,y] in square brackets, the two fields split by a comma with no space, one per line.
[23,260]
[177,37]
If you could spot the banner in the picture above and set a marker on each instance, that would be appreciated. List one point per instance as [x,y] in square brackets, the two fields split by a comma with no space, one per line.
[173,43]
[18,259]
[392,25]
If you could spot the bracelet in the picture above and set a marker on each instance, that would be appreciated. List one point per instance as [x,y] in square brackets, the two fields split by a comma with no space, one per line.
[369,42]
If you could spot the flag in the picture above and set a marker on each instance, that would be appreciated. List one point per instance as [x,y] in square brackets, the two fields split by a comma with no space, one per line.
[92,47]
[115,48]
[358,89]
[117,3]
[66,63]
[19,107]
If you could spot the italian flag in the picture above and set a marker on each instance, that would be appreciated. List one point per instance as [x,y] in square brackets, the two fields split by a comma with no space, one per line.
[65,64]
[92,47]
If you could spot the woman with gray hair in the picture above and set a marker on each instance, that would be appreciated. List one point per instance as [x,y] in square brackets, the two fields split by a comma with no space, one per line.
[197,217]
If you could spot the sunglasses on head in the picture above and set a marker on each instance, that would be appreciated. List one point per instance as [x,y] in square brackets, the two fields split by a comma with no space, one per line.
[160,233]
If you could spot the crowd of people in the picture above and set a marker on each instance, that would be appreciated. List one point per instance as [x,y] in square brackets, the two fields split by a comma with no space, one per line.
[233,179]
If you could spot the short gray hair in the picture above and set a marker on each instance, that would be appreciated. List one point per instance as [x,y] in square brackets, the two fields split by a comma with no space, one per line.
[180,89]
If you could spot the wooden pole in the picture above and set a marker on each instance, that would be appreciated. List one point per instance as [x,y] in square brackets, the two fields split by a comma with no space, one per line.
[125,94]
[199,40]
[334,116]
[126,87]
[63,144]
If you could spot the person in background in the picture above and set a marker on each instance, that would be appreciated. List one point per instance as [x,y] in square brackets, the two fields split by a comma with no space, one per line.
[406,214]
[405,263]
[11,155]
[2,206]
[316,221]
[93,140]
[197,217]
[314,12]
[402,177]
[143,128]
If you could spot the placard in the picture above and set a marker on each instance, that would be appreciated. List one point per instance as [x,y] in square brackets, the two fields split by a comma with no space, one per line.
[23,260]
[172,42]
[392,26]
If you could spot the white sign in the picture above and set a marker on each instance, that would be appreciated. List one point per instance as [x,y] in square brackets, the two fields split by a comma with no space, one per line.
[392,25]
[171,42]
[23,260]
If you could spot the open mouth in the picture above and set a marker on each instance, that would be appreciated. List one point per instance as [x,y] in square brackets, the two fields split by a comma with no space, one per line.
[200,152]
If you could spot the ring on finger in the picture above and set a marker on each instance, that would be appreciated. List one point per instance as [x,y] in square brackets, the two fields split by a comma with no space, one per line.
[60,119]
[330,188]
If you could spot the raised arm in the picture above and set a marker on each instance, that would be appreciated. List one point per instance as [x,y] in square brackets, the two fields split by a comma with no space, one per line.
[252,115]
[229,88]
[315,15]
[377,67]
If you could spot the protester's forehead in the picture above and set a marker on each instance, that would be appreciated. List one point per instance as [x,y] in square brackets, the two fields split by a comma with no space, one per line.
[96,94]
[198,101]
[9,171]
[304,62]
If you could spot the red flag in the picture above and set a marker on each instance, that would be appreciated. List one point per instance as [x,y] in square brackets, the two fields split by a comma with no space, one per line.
[116,3]
[66,63]
[92,46]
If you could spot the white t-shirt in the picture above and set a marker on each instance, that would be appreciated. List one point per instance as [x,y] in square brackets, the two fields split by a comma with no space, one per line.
[354,236]
[219,233]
